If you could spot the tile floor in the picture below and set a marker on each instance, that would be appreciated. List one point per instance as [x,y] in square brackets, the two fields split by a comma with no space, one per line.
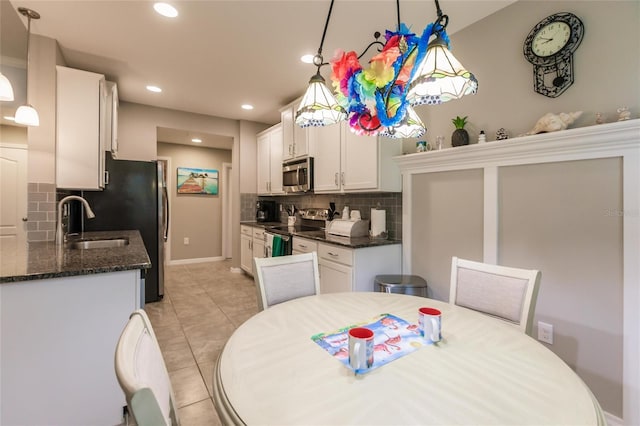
[202,306]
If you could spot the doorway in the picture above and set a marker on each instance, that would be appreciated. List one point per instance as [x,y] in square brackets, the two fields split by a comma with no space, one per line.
[227,190]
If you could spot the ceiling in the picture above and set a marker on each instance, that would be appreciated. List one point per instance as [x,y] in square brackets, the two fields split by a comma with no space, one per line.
[217,55]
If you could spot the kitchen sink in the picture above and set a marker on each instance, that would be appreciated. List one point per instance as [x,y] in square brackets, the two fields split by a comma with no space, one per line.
[98,243]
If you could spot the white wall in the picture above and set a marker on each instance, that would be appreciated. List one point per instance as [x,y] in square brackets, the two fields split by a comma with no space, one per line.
[606,69]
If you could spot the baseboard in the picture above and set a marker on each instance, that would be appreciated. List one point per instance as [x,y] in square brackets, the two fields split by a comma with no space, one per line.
[613,420]
[235,270]
[196,260]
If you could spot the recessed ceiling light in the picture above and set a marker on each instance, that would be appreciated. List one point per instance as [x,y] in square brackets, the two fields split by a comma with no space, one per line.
[196,140]
[6,117]
[165,9]
[307,59]
[247,107]
[155,89]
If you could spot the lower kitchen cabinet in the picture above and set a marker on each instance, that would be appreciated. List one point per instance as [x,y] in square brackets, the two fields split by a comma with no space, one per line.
[344,269]
[251,245]
[246,248]
[58,337]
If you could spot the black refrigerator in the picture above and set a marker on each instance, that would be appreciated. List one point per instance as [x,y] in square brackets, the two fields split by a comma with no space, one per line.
[135,197]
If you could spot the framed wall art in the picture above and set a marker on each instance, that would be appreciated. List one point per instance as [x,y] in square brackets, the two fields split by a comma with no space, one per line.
[197,181]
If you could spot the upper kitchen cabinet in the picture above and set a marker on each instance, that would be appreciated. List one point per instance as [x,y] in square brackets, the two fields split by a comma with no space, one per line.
[112,104]
[80,129]
[346,162]
[295,139]
[269,165]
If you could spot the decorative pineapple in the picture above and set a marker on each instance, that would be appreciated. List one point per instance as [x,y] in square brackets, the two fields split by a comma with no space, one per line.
[460,136]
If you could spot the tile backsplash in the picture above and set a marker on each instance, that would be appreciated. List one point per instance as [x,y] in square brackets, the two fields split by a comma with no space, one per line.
[389,201]
[41,211]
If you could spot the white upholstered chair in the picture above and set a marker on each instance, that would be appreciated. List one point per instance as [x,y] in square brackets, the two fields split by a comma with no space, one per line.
[283,278]
[506,293]
[142,374]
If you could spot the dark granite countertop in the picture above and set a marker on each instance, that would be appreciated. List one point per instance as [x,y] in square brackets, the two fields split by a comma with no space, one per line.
[41,260]
[324,237]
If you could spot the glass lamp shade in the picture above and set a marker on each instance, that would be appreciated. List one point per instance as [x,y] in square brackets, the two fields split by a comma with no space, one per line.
[440,77]
[319,107]
[27,115]
[410,127]
[6,91]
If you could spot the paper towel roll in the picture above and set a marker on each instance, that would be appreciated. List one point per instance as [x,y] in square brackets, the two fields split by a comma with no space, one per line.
[378,222]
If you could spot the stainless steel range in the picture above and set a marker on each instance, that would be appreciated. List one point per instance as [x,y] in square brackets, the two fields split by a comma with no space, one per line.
[311,224]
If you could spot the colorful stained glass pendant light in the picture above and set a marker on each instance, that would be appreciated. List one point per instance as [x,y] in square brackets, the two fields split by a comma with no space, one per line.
[407,71]
[319,106]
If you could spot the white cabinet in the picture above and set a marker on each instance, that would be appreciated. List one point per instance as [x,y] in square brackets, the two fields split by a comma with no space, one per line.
[295,139]
[57,340]
[269,163]
[346,162]
[111,115]
[246,248]
[258,243]
[251,245]
[80,129]
[344,269]
[303,245]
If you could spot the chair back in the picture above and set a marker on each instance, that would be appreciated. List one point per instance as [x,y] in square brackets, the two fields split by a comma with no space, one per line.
[509,294]
[142,374]
[283,278]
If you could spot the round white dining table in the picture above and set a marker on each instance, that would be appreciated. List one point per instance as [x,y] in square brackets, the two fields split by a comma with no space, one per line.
[482,372]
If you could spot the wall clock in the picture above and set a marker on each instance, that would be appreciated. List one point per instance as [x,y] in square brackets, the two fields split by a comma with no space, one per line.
[549,47]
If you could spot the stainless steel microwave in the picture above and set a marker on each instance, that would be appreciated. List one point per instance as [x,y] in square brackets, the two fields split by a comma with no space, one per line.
[297,175]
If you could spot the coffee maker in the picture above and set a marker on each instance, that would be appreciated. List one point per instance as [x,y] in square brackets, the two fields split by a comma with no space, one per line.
[266,211]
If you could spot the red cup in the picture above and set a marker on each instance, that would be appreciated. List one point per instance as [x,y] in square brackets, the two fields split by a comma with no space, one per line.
[360,348]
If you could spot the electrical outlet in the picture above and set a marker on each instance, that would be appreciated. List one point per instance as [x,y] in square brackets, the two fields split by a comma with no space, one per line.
[545,332]
[186,241]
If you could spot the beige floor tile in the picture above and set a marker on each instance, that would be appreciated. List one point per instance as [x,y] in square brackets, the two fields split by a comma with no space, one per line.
[188,386]
[206,369]
[201,413]
[176,352]
[204,303]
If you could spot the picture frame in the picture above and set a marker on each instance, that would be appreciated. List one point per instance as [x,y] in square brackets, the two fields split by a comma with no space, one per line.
[192,180]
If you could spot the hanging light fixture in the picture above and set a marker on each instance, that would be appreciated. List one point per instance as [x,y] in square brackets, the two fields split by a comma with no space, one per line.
[6,90]
[319,107]
[439,77]
[379,99]
[26,114]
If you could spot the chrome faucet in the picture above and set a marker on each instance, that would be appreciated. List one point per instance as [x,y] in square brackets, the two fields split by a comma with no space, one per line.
[60,235]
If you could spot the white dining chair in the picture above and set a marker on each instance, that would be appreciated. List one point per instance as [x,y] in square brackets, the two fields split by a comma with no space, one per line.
[283,278]
[509,294]
[143,375]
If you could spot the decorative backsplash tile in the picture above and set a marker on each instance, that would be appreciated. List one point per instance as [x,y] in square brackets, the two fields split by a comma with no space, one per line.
[41,211]
[389,201]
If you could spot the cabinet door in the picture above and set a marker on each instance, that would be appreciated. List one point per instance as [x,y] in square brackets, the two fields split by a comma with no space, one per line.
[300,137]
[326,163]
[334,278]
[258,249]
[276,161]
[263,165]
[359,161]
[246,254]
[80,99]
[287,119]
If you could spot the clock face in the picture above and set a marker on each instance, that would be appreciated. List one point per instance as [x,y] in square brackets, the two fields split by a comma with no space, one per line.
[551,38]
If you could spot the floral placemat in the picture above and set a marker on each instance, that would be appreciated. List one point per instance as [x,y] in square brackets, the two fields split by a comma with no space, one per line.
[393,338]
